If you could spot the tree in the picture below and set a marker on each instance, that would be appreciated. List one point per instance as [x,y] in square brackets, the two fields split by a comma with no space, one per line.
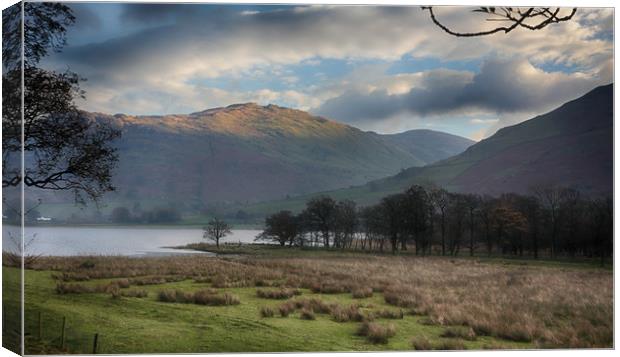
[64,150]
[571,218]
[486,213]
[418,218]
[601,221]
[440,199]
[533,18]
[507,221]
[281,227]
[215,230]
[471,202]
[373,225]
[457,208]
[345,223]
[393,209]
[320,214]
[549,197]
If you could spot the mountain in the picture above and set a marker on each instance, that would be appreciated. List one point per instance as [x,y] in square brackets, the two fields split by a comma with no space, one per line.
[428,145]
[247,153]
[569,146]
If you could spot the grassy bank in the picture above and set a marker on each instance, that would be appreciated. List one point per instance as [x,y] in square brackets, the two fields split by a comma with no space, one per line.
[330,302]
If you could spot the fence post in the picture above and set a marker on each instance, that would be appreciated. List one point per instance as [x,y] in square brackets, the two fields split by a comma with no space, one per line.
[95,344]
[40,327]
[62,336]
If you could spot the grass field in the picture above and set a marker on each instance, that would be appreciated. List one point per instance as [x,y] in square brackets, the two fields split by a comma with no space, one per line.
[333,303]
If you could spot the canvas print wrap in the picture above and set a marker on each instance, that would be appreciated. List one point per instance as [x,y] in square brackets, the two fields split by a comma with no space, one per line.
[201,178]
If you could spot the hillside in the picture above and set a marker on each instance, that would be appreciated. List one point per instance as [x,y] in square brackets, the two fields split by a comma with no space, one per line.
[246,153]
[569,146]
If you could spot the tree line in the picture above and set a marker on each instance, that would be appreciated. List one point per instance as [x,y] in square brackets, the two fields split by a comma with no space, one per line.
[550,221]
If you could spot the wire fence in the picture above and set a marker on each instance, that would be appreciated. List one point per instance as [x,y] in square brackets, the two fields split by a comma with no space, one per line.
[47,334]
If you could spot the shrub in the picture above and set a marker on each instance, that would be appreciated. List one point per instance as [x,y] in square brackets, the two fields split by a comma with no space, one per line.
[466,333]
[421,343]
[375,332]
[307,314]
[361,293]
[266,311]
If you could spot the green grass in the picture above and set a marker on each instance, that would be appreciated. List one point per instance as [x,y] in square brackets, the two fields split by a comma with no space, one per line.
[134,325]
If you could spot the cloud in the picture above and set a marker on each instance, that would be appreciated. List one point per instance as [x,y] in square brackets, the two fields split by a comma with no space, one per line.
[501,86]
[165,59]
[483,121]
[211,41]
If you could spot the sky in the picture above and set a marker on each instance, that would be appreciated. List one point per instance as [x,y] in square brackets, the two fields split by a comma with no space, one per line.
[382,68]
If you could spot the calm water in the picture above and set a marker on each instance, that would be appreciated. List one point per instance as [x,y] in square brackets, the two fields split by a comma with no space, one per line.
[114,240]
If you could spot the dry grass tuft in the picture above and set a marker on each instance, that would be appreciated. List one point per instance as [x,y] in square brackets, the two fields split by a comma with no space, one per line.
[361,292]
[346,314]
[286,309]
[376,333]
[390,314]
[464,332]
[306,314]
[421,343]
[277,294]
[450,344]
[266,311]
[137,293]
[201,297]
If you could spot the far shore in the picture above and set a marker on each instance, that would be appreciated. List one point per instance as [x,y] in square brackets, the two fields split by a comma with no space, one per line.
[131,226]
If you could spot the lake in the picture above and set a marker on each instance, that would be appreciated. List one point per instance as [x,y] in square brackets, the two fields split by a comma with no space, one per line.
[114,240]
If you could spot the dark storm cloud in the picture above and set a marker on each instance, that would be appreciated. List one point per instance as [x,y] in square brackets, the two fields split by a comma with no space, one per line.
[501,86]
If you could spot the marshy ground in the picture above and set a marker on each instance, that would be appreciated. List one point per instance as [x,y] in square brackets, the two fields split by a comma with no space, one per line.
[315,301]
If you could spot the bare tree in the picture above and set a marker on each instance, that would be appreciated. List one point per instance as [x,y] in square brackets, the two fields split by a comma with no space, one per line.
[549,197]
[440,199]
[532,18]
[472,203]
[215,230]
